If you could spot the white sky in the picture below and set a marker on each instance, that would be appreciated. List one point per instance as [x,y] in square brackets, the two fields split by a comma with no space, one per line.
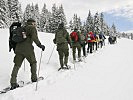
[81,7]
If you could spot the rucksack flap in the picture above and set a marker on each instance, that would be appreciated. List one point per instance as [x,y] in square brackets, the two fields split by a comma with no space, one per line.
[18,34]
[74,36]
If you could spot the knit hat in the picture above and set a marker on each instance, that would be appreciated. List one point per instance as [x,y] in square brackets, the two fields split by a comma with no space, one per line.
[31,20]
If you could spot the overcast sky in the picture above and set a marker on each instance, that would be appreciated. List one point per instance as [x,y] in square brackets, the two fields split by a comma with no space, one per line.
[122,8]
[81,7]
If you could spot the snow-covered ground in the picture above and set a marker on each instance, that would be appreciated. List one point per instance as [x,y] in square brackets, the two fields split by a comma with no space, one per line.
[107,74]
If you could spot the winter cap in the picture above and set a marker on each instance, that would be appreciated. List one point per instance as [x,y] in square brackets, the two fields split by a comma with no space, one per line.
[61,25]
[75,29]
[90,32]
[16,24]
[31,20]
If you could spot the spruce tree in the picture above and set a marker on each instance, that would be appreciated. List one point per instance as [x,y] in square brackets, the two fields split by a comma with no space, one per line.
[44,19]
[37,17]
[113,30]
[61,15]
[56,18]
[97,24]
[104,26]
[53,21]
[14,10]
[75,23]
[48,17]
[27,13]
[89,22]
[71,25]
[4,15]
[20,13]
[79,24]
[33,15]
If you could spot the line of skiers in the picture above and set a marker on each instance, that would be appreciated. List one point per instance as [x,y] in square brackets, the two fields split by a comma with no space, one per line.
[77,40]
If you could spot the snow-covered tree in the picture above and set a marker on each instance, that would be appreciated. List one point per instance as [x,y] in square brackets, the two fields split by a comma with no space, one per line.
[44,19]
[71,25]
[61,15]
[27,13]
[89,22]
[56,18]
[48,22]
[15,11]
[97,24]
[107,30]
[113,30]
[53,21]
[102,21]
[75,23]
[104,26]
[4,15]
[37,16]
[33,15]
[32,11]
[20,13]
[79,24]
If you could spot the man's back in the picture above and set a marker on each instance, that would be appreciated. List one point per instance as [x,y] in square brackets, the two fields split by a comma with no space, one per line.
[26,46]
[61,36]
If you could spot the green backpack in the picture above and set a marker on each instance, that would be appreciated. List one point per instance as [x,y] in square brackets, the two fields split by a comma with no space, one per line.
[61,37]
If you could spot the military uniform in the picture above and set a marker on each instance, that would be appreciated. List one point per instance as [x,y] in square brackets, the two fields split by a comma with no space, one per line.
[62,39]
[24,50]
[83,42]
[77,45]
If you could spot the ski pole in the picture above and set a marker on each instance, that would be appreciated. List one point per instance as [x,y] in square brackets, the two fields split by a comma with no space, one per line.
[74,63]
[39,69]
[51,54]
[24,65]
[73,58]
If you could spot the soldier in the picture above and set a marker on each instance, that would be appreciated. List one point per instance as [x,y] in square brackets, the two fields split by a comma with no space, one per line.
[90,40]
[24,50]
[76,43]
[62,40]
[83,42]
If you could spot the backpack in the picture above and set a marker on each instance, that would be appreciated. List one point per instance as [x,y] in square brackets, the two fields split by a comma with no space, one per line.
[82,37]
[74,36]
[13,30]
[61,37]
[18,34]
[100,36]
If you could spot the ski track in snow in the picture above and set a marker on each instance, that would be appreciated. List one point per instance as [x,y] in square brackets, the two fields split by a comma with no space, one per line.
[104,75]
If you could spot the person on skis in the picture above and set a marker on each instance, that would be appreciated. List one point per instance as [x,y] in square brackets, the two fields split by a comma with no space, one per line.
[62,40]
[24,50]
[90,39]
[76,43]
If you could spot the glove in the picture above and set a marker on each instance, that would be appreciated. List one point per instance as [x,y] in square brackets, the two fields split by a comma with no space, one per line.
[42,47]
[80,43]
[54,41]
[70,45]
